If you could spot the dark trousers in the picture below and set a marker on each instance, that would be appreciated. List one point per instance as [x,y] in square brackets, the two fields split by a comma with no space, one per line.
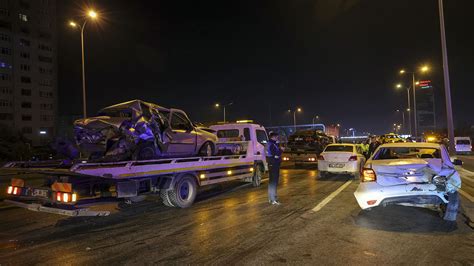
[274,172]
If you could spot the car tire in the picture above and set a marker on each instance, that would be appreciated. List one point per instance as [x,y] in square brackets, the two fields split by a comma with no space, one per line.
[207,149]
[322,174]
[184,192]
[257,175]
[146,151]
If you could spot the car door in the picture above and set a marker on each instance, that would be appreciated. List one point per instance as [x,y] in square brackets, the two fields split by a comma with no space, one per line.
[183,135]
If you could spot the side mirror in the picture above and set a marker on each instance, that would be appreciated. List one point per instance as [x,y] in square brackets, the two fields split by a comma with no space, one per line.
[457,162]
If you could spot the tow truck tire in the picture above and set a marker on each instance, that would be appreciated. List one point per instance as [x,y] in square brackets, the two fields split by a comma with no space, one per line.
[257,175]
[165,198]
[184,192]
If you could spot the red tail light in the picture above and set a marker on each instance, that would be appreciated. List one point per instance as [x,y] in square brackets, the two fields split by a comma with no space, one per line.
[66,197]
[320,158]
[353,158]
[368,175]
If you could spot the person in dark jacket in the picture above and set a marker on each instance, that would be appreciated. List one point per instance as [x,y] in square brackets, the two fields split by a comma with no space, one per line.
[273,153]
[374,144]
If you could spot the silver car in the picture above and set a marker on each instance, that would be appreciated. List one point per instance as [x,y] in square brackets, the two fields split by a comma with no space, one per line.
[140,130]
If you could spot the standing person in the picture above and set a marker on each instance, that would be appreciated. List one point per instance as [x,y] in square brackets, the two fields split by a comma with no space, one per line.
[374,144]
[273,154]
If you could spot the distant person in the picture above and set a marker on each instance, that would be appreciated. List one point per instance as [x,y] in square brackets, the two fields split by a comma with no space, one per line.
[273,154]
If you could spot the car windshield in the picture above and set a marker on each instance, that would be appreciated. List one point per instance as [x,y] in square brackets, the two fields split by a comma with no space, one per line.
[387,153]
[228,133]
[463,142]
[340,148]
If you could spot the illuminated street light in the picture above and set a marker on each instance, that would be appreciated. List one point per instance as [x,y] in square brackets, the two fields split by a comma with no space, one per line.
[398,86]
[299,110]
[92,15]
[217,105]
[423,69]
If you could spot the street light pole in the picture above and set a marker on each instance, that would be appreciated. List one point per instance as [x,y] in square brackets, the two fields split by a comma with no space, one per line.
[93,15]
[447,88]
[84,98]
[317,117]
[409,109]
[414,103]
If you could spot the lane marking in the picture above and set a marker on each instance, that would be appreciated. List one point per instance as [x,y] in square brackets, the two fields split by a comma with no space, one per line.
[331,196]
[466,195]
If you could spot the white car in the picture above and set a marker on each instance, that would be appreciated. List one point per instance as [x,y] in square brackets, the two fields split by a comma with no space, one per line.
[463,145]
[341,159]
[415,174]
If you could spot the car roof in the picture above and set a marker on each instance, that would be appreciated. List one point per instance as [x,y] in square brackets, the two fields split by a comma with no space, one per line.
[342,144]
[133,104]
[236,126]
[412,144]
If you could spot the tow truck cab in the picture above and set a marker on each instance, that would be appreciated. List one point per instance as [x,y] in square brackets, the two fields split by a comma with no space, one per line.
[244,130]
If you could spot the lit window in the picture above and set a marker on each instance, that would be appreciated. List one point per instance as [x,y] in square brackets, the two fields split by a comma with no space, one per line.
[23,17]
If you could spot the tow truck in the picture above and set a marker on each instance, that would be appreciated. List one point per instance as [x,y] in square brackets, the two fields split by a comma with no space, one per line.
[72,189]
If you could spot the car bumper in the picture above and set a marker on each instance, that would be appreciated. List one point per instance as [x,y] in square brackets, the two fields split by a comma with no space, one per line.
[303,158]
[371,194]
[348,168]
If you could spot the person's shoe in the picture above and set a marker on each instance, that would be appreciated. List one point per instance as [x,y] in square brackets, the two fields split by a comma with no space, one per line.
[275,202]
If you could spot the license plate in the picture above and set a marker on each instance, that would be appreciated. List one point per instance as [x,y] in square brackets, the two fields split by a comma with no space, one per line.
[40,193]
[336,165]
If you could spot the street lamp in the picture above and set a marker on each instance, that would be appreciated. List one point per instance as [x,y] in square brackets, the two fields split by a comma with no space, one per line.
[91,14]
[217,105]
[315,118]
[403,117]
[423,69]
[399,86]
[299,110]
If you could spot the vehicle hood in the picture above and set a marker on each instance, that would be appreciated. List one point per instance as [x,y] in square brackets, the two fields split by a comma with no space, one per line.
[405,171]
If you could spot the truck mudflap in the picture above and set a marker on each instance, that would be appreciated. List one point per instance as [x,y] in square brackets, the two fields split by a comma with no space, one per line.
[73,212]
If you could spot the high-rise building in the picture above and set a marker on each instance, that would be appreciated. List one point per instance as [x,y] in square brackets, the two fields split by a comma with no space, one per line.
[28,68]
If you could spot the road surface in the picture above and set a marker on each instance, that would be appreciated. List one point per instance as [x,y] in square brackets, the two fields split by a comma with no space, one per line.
[235,224]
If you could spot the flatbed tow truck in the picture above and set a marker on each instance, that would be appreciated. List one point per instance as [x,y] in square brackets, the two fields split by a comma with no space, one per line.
[71,190]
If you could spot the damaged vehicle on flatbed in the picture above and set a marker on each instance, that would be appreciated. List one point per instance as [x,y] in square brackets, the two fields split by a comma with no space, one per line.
[414,174]
[138,130]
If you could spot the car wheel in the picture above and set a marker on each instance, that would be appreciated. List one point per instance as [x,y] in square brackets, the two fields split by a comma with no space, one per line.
[356,175]
[146,151]
[184,192]
[207,149]
[322,174]
[257,175]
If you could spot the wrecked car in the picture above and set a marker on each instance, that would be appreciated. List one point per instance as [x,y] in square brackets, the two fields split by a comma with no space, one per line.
[414,174]
[138,130]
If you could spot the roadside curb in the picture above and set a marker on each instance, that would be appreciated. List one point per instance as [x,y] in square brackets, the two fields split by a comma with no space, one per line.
[467,209]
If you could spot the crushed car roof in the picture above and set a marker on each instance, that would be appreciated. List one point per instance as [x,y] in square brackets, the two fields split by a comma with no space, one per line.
[133,103]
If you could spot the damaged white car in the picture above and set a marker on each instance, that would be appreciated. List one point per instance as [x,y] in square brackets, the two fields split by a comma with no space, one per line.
[414,174]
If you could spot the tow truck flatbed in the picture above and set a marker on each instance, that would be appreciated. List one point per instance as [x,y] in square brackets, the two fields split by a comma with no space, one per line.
[67,189]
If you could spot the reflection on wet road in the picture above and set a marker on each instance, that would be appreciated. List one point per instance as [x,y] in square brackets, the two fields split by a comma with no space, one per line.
[235,224]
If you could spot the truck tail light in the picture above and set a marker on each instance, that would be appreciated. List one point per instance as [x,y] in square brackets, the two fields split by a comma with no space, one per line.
[321,158]
[352,158]
[66,197]
[16,191]
[368,175]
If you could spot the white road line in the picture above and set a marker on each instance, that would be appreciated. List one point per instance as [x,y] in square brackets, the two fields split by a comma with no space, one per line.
[465,194]
[331,196]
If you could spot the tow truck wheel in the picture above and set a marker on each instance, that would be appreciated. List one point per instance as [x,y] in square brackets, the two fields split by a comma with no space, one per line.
[184,192]
[257,175]
[165,198]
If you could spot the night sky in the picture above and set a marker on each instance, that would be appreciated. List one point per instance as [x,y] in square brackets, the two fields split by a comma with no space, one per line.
[338,59]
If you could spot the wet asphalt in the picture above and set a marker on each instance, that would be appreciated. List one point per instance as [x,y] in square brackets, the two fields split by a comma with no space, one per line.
[234,224]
